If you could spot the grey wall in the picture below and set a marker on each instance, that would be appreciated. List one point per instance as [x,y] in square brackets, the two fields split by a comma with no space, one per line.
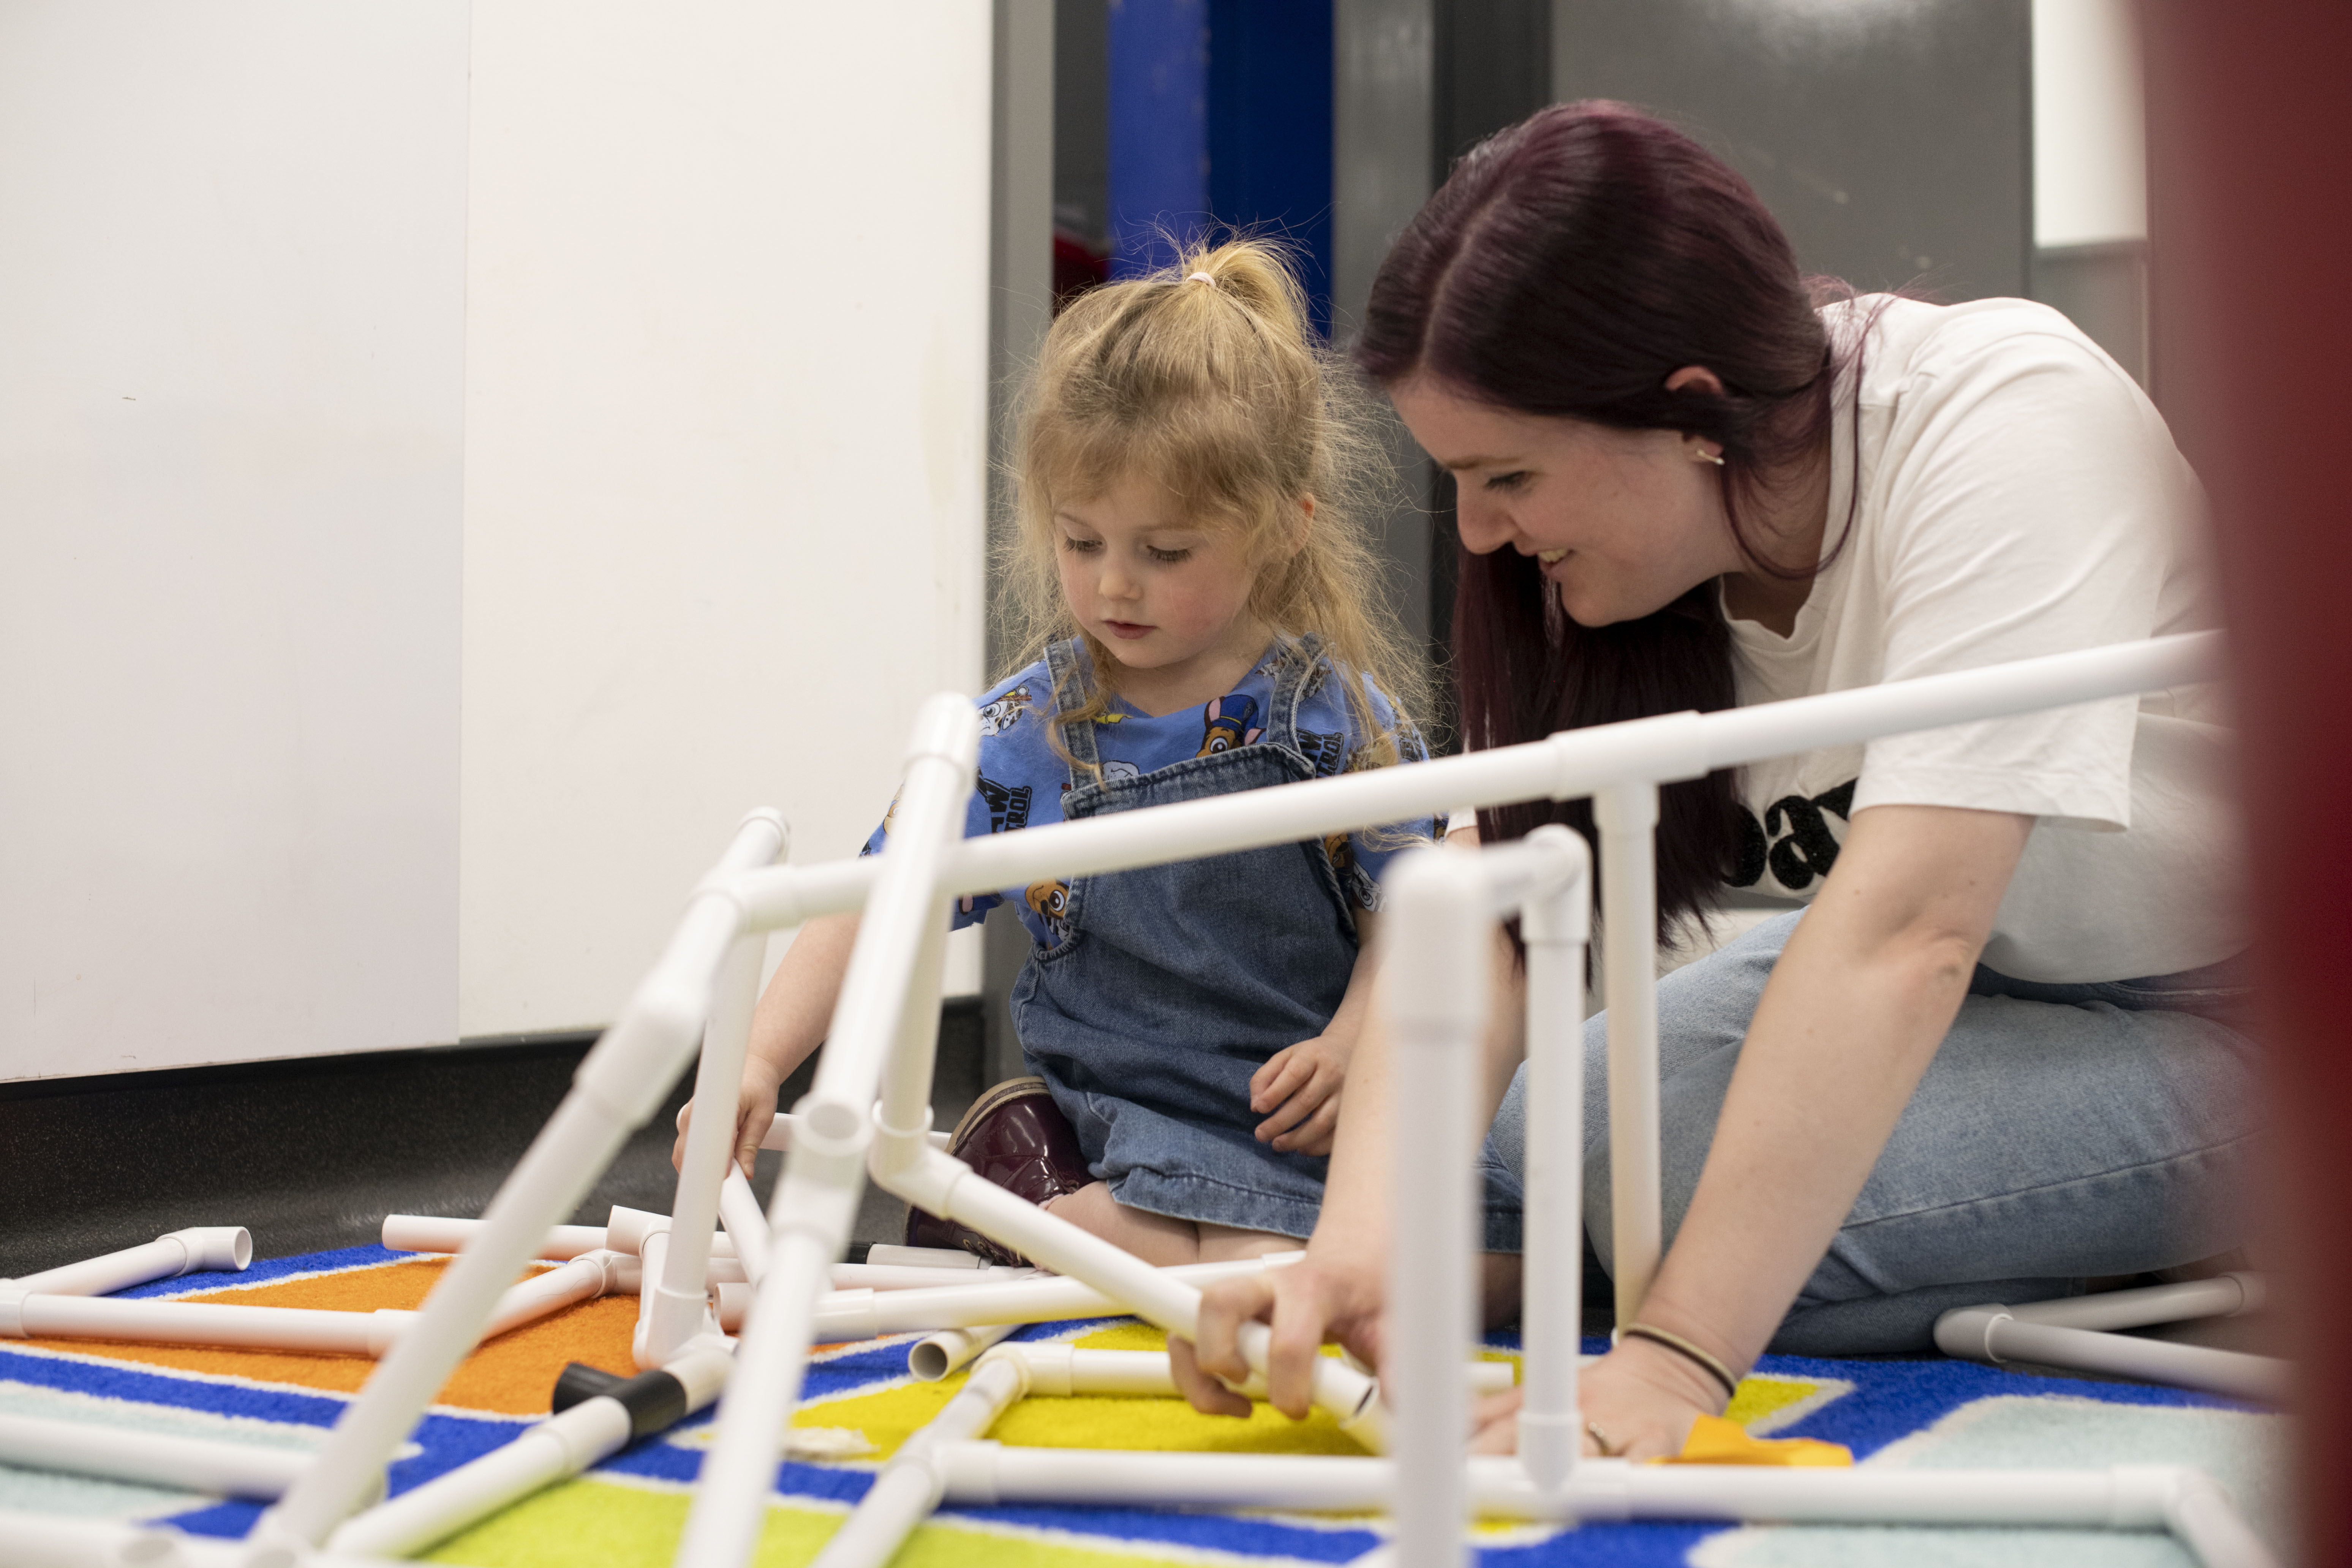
[1893,141]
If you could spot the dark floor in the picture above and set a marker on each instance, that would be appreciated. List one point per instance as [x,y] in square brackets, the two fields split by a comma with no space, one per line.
[314,1153]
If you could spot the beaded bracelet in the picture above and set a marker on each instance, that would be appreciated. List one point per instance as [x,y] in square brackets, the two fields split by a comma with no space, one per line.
[1687,1351]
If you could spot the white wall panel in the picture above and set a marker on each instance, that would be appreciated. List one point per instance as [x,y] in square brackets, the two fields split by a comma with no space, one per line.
[725,407]
[231,243]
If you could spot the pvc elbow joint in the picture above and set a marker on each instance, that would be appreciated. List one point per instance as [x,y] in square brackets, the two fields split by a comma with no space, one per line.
[212,1248]
[1967,1331]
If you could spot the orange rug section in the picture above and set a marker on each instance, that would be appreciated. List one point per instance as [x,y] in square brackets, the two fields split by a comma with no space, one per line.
[514,1374]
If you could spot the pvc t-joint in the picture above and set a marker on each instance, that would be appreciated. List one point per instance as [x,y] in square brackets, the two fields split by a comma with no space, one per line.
[896,1148]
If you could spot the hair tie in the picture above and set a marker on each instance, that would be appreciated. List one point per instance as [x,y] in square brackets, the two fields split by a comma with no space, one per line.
[1202,278]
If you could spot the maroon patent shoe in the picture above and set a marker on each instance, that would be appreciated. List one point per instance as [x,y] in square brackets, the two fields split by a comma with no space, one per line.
[1015,1136]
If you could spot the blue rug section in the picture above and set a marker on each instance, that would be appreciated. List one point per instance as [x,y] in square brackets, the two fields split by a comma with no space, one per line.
[264,1269]
[114,1380]
[1893,1399]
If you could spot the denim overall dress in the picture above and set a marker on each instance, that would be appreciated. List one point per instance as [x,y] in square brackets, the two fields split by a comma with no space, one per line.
[1172,984]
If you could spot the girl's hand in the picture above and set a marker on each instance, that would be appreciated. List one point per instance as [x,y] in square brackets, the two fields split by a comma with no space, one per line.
[1324,1295]
[755,1109]
[1297,1092]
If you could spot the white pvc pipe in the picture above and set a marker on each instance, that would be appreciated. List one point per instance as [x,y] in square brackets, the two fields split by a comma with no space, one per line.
[780,1136]
[1554,927]
[1435,982]
[815,1202]
[868,1314]
[746,1222]
[675,1306]
[563,1445]
[61,1541]
[303,1328]
[199,1249]
[197,1463]
[1627,817]
[614,1092]
[1068,1371]
[942,1185]
[2223,1296]
[586,1277]
[2122,1497]
[933,1357]
[1565,766]
[1993,1334]
[909,1487]
[432,1233]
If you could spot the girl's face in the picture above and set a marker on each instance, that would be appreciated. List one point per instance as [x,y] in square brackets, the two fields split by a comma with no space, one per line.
[1167,593]
[1624,521]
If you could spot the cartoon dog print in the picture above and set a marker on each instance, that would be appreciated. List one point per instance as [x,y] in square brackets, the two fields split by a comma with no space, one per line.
[1051,901]
[1225,723]
[1004,712]
[1118,770]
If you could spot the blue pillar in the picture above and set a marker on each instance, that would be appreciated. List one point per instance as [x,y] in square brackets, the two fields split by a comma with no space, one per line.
[1220,111]
[1159,129]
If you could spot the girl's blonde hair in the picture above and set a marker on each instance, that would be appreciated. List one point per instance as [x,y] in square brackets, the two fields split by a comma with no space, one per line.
[1209,378]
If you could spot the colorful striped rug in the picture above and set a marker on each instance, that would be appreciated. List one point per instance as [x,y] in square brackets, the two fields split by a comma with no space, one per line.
[860,1404]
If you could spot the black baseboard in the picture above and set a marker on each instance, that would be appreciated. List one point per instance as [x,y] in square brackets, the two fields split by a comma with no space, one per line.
[313,1152]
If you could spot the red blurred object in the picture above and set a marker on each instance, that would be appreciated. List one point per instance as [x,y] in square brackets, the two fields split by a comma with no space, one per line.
[2251,142]
[1078,266]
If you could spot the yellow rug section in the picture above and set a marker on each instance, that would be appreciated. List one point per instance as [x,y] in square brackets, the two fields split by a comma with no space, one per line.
[888,1417]
[514,1374]
[1761,1397]
[596,1522]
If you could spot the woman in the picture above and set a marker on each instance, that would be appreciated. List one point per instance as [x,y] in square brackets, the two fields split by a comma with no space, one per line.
[1684,483]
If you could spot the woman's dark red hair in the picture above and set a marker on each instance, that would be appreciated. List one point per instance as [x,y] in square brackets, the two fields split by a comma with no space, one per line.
[1572,264]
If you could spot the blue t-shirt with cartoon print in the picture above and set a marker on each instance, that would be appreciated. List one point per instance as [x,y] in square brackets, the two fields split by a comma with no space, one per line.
[1022,777]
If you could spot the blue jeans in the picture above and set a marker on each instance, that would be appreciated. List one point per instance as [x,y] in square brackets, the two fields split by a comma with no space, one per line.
[2063,1131]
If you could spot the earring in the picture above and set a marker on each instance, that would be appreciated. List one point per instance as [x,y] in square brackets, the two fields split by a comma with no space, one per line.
[1701,455]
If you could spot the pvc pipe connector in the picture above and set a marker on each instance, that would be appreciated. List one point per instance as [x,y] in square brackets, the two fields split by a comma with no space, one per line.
[226,1247]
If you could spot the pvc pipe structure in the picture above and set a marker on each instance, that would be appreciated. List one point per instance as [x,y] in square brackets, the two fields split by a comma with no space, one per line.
[780,1136]
[676,1308]
[309,1330]
[1564,766]
[200,1248]
[910,1482]
[868,1314]
[120,1453]
[1996,1334]
[563,1445]
[942,1185]
[1436,984]
[1555,924]
[615,1090]
[1626,816]
[816,1200]
[746,1222]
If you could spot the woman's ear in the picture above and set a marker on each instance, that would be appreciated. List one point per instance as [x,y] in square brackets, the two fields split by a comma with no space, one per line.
[1696,375]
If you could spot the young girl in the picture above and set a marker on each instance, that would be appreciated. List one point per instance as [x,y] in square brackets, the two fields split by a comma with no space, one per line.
[1194,601]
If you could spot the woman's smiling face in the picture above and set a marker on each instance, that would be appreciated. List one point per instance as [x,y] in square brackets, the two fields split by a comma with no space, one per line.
[1624,521]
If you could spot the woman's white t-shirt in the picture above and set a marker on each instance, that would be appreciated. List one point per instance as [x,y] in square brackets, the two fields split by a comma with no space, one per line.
[2017,495]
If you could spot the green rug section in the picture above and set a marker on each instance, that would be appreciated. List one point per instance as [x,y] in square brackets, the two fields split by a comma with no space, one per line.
[2244,1451]
[585,1522]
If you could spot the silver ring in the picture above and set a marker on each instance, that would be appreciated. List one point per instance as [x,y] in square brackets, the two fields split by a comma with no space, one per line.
[1608,1449]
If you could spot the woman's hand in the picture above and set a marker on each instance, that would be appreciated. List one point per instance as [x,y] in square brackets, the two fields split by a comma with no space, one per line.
[755,1109]
[1297,1092]
[1324,1295]
[1642,1399]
